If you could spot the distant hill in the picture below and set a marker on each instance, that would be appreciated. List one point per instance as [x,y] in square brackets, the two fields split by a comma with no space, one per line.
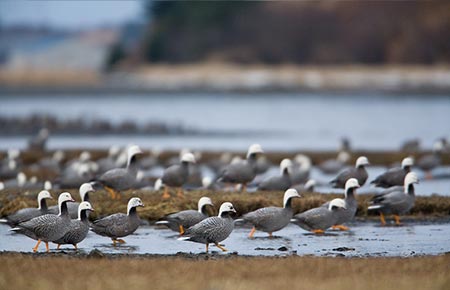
[310,32]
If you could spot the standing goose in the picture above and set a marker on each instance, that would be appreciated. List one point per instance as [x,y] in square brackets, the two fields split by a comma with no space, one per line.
[48,227]
[177,175]
[318,219]
[359,172]
[394,176]
[213,229]
[26,214]
[430,161]
[301,170]
[73,207]
[396,200]
[351,205]
[272,219]
[78,228]
[281,182]
[244,171]
[185,219]
[119,179]
[333,166]
[119,224]
[307,187]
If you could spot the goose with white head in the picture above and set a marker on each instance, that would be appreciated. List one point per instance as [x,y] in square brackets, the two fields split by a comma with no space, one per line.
[281,182]
[119,225]
[301,169]
[308,187]
[396,201]
[72,207]
[351,205]
[318,219]
[185,219]
[244,171]
[359,172]
[49,227]
[177,175]
[333,166]
[272,219]
[213,229]
[429,162]
[26,214]
[394,176]
[119,179]
[78,228]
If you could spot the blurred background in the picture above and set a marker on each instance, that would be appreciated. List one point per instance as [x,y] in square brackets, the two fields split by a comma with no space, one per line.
[223,75]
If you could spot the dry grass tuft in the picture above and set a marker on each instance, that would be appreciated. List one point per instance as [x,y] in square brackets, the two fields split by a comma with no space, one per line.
[233,273]
[155,207]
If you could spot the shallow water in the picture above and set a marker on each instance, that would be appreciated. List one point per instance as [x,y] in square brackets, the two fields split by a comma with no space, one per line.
[279,121]
[364,239]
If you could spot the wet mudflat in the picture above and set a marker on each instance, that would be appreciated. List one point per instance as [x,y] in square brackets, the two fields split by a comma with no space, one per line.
[366,239]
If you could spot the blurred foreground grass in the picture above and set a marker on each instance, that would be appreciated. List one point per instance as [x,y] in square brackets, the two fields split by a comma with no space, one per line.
[11,201]
[18,271]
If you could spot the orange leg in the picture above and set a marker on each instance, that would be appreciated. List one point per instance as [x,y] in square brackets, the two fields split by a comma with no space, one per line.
[382,220]
[220,247]
[37,246]
[270,235]
[46,247]
[340,227]
[397,220]
[166,194]
[318,231]
[180,193]
[252,233]
[59,245]
[207,247]
[113,193]
[181,229]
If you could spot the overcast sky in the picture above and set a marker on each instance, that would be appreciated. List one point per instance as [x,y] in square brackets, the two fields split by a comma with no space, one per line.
[68,13]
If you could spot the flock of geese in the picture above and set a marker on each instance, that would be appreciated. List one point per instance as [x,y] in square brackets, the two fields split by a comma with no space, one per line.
[68,222]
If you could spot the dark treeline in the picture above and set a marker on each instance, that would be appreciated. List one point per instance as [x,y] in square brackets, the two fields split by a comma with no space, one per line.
[311,32]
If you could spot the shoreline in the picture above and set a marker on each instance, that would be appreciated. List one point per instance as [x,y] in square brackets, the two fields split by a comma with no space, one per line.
[217,78]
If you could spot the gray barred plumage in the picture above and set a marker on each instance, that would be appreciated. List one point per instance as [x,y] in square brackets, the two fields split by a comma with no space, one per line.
[119,225]
[185,219]
[48,227]
[212,229]
[320,218]
[26,214]
[119,179]
[351,204]
[359,172]
[78,228]
[272,219]
[242,171]
[394,176]
[72,207]
[397,200]
[281,182]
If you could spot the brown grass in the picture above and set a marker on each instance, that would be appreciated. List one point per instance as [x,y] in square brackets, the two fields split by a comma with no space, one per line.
[30,272]
[155,207]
